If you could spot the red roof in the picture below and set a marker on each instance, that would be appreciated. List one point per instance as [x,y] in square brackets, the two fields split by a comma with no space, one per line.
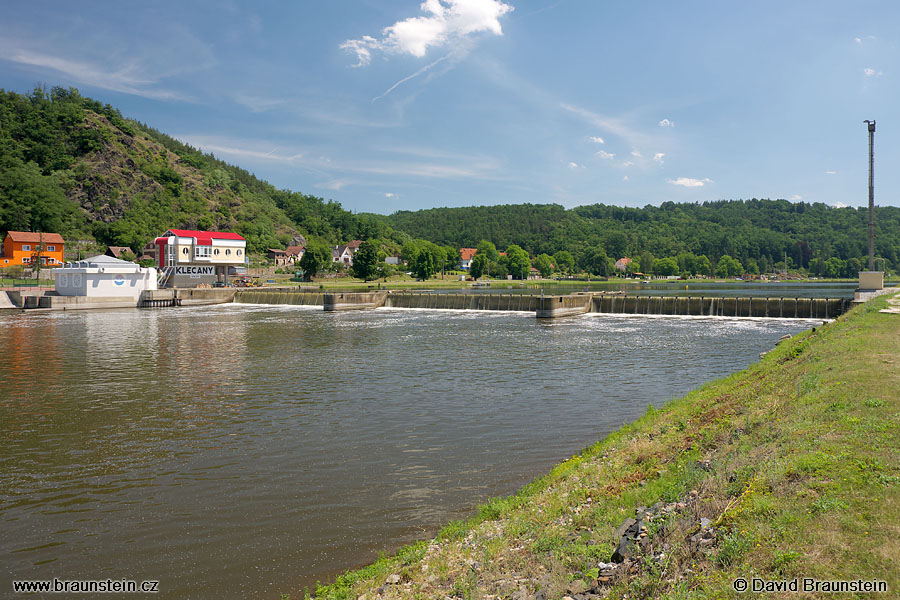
[204,238]
[467,253]
[294,249]
[33,237]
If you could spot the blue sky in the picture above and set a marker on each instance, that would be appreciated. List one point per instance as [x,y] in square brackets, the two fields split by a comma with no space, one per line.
[387,105]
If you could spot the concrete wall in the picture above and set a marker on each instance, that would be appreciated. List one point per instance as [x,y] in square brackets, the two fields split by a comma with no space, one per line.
[817,308]
[353,300]
[551,307]
[556,306]
[104,282]
[871,280]
[512,302]
[279,297]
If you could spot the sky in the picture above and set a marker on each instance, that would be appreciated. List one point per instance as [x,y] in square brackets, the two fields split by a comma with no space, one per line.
[386,105]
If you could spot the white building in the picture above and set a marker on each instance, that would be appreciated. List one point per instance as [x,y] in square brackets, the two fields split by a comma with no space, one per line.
[189,258]
[104,277]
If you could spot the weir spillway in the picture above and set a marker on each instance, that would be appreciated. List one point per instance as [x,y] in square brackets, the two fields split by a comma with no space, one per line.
[550,306]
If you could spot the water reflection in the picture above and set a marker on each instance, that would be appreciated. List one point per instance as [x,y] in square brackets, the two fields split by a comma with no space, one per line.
[246,450]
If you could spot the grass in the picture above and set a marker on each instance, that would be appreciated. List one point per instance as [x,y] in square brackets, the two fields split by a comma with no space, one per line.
[19,282]
[803,480]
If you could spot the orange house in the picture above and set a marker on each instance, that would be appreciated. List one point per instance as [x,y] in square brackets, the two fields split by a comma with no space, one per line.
[20,246]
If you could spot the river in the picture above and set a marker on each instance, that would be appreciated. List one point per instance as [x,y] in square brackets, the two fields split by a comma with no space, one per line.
[242,450]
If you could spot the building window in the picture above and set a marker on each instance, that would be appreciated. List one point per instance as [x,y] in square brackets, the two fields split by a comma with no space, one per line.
[202,251]
[51,248]
[184,251]
[228,252]
[238,252]
[216,251]
[26,259]
[26,247]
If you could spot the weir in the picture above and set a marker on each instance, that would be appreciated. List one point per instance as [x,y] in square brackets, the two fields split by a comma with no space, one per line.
[559,305]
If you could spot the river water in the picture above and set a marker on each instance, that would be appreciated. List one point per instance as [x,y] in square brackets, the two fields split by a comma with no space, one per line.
[244,451]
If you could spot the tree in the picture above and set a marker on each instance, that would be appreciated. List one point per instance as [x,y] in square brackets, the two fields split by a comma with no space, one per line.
[728,267]
[365,261]
[451,261]
[544,264]
[666,266]
[428,260]
[833,268]
[597,262]
[385,270]
[519,264]
[616,243]
[489,250]
[316,257]
[704,267]
[478,266]
[409,252]
[37,256]
[565,262]
[647,262]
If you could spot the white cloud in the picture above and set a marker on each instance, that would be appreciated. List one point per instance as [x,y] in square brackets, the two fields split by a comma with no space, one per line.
[796,198]
[658,157]
[575,165]
[858,41]
[615,126]
[636,154]
[872,72]
[690,182]
[254,151]
[335,185]
[128,79]
[839,205]
[596,139]
[667,123]
[625,178]
[627,163]
[388,195]
[444,22]
[606,155]
[831,172]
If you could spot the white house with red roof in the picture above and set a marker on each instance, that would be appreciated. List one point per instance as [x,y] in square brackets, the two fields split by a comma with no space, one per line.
[465,257]
[622,263]
[187,258]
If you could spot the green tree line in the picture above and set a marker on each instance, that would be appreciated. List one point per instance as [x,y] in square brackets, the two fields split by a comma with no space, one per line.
[756,232]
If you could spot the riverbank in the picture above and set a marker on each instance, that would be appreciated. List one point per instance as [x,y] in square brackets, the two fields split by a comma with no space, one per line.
[788,469]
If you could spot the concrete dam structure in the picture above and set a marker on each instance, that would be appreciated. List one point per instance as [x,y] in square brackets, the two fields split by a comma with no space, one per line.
[545,306]
[788,308]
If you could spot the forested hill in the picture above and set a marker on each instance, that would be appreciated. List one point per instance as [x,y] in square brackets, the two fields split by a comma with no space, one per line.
[72,165]
[764,230]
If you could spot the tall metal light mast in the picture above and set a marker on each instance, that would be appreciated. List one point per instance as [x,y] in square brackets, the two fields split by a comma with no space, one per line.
[871,125]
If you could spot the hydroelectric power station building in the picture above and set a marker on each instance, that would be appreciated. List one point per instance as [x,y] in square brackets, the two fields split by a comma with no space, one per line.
[189,258]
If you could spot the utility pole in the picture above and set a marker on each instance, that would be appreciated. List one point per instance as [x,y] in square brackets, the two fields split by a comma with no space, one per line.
[871,125]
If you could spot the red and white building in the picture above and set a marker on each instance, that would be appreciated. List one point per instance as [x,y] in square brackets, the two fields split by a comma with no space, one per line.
[187,258]
[465,257]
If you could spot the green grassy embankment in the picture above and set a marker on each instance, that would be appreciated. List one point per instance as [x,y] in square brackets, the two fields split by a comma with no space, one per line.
[795,462]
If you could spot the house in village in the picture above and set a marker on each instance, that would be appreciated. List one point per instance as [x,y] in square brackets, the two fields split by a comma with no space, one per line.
[117,251]
[622,264]
[21,247]
[342,255]
[294,254]
[465,257]
[278,256]
[189,258]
